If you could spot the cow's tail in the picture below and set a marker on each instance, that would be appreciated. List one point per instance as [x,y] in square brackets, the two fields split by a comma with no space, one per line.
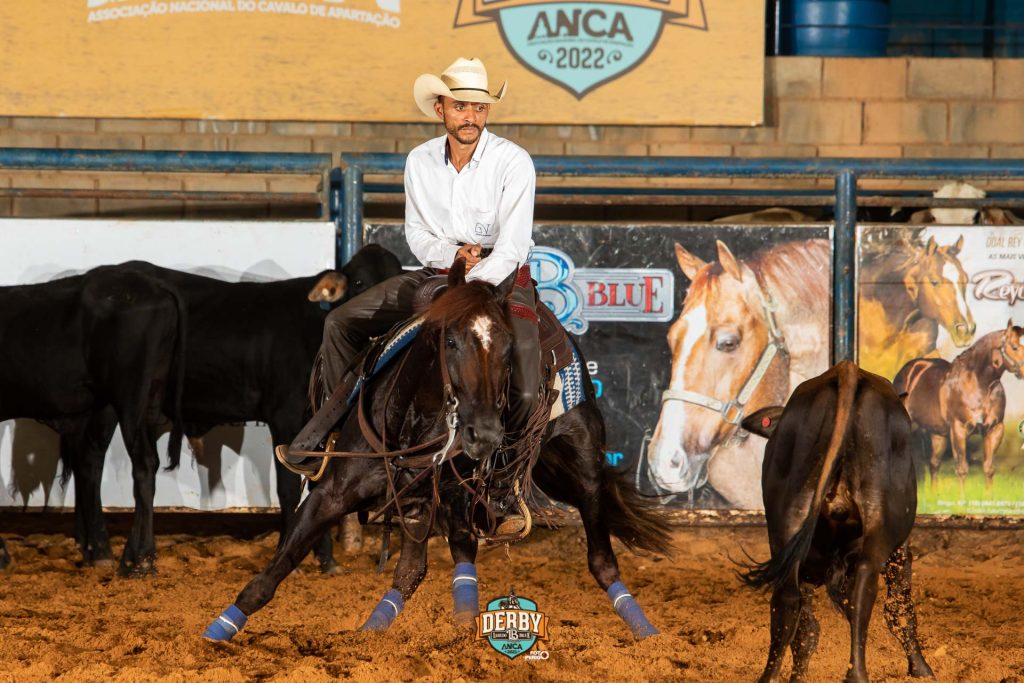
[178,380]
[785,565]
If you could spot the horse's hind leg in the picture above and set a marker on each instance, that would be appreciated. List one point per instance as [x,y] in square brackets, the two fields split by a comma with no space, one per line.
[322,508]
[900,616]
[938,444]
[569,470]
[409,572]
[5,558]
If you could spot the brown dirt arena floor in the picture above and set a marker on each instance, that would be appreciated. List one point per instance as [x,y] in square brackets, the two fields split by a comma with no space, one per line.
[60,621]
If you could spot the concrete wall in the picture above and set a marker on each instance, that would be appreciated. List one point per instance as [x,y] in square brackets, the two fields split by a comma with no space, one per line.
[894,107]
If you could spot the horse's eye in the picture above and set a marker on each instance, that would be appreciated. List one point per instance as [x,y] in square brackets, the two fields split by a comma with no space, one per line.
[727,343]
[358,283]
[451,342]
[935,283]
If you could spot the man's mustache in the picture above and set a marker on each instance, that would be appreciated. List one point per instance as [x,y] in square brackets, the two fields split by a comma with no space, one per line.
[469,126]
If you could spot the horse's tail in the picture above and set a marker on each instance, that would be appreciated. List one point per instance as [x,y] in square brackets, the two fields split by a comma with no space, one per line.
[786,564]
[633,519]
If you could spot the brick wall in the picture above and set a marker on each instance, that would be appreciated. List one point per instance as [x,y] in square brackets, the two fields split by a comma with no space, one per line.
[894,107]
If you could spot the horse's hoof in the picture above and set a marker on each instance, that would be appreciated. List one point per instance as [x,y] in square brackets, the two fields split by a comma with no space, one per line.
[226,626]
[5,561]
[465,619]
[645,631]
[105,564]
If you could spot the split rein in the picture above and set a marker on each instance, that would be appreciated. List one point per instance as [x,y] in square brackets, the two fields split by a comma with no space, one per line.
[430,455]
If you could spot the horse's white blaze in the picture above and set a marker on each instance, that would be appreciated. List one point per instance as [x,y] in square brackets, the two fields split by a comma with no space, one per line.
[669,460]
[482,329]
[951,273]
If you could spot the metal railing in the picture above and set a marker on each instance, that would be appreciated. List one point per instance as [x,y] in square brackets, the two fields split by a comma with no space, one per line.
[348,187]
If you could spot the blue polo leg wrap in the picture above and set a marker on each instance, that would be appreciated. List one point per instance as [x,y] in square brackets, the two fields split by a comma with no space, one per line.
[389,607]
[226,626]
[630,611]
[464,591]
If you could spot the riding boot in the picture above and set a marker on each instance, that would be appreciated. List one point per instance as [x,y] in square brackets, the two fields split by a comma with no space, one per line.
[525,381]
[524,386]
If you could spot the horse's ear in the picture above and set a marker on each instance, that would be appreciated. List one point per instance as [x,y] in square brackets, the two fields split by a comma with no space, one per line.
[506,286]
[763,422]
[688,263]
[729,263]
[930,248]
[956,247]
[457,273]
[1009,325]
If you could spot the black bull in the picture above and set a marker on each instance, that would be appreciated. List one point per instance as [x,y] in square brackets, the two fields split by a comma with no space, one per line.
[78,348]
[840,495]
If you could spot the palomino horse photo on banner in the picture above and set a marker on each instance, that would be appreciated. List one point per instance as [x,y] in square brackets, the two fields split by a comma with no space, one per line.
[910,288]
[750,330]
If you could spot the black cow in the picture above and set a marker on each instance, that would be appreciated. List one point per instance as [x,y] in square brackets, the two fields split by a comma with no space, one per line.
[251,349]
[840,497]
[82,354]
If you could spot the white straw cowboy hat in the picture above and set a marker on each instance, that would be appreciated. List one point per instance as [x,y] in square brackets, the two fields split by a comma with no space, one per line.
[464,80]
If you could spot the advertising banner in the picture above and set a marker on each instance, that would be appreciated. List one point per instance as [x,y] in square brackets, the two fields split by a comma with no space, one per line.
[673,321]
[235,466]
[939,314]
[693,62]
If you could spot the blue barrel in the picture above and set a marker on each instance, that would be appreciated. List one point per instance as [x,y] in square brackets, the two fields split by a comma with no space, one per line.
[835,28]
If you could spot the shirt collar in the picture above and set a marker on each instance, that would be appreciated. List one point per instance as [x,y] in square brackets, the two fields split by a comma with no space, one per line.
[478,153]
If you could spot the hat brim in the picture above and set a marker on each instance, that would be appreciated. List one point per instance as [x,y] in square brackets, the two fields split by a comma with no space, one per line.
[428,87]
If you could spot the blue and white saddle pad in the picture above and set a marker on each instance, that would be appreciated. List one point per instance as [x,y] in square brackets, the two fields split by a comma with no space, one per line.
[568,381]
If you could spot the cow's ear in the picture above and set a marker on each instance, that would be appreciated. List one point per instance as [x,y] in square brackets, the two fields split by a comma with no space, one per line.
[763,421]
[457,273]
[331,287]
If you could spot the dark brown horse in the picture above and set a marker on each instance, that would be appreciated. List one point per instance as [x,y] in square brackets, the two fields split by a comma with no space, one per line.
[465,339]
[950,401]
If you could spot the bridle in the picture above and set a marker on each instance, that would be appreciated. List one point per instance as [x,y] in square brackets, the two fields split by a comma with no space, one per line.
[1011,365]
[733,410]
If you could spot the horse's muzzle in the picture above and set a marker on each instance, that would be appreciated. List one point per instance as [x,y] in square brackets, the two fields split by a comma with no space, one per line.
[480,442]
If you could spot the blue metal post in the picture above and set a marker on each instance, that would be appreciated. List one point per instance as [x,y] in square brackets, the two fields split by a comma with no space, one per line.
[351,213]
[844,268]
[334,204]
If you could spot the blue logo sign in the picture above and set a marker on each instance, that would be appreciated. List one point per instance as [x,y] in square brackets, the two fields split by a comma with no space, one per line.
[581,45]
[578,296]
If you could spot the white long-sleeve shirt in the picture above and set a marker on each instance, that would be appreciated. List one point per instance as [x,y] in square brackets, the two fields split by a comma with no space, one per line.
[490,203]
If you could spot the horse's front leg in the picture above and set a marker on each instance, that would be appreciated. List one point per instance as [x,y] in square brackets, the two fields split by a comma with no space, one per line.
[322,508]
[409,572]
[958,442]
[993,437]
[938,445]
[463,546]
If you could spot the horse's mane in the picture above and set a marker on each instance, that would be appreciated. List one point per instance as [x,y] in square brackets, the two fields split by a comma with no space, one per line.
[785,269]
[457,306]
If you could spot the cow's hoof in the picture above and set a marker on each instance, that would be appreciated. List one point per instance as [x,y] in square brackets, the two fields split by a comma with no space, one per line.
[334,569]
[226,626]
[137,570]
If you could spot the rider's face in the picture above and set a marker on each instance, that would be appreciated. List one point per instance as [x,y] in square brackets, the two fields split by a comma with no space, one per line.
[464,121]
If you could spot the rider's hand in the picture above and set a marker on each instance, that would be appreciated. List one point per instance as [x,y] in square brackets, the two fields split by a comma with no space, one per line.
[470,252]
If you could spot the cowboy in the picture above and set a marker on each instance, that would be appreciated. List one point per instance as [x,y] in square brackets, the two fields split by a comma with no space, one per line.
[468,194]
